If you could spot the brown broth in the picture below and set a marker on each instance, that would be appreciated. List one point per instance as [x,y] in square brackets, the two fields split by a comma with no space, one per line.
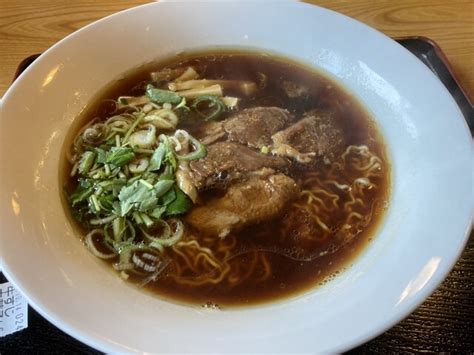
[289,277]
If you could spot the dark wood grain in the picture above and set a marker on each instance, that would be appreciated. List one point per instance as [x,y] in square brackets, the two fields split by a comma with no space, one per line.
[28,27]
[445,321]
[448,23]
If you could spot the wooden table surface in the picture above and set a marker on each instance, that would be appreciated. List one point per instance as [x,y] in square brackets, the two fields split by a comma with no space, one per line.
[28,27]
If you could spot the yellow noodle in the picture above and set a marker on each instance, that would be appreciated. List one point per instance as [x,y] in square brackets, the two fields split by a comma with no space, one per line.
[266,266]
[208,260]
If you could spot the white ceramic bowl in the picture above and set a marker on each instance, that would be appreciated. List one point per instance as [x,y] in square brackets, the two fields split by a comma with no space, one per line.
[423,232]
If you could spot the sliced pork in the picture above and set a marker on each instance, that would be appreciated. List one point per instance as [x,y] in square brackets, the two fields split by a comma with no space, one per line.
[227,161]
[253,127]
[257,199]
[315,136]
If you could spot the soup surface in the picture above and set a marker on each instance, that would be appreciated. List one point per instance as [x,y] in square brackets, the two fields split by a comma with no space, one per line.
[227,178]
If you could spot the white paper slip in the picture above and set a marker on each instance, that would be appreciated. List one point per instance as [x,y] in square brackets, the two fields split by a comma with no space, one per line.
[13,310]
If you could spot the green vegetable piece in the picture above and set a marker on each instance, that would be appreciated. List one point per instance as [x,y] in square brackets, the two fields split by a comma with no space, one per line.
[147,220]
[106,202]
[86,162]
[162,96]
[110,141]
[169,156]
[119,156]
[137,218]
[79,213]
[118,227]
[81,194]
[101,155]
[94,204]
[182,105]
[112,184]
[210,107]
[162,186]
[146,183]
[167,175]
[133,179]
[168,197]
[137,196]
[180,205]
[117,209]
[158,212]
[171,159]
[198,153]
[148,203]
[149,176]
[85,183]
[138,119]
[157,158]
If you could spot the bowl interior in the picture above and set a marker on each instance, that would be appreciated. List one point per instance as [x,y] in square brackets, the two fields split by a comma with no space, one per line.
[428,142]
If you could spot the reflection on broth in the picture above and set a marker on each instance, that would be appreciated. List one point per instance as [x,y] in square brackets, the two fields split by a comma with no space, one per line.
[226,178]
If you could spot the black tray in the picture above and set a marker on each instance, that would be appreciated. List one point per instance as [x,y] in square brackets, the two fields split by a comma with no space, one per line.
[443,323]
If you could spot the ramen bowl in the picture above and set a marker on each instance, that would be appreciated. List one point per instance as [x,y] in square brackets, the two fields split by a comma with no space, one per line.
[422,234]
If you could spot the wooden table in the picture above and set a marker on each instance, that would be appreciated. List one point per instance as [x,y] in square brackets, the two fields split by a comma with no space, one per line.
[28,27]
[445,320]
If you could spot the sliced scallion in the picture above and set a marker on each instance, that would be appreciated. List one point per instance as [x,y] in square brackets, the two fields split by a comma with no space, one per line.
[210,107]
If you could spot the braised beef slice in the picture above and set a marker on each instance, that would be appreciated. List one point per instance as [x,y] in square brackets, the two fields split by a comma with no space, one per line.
[253,126]
[228,161]
[316,135]
[245,203]
[210,132]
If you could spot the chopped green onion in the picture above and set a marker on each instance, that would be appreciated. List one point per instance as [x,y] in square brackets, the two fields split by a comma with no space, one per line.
[182,104]
[119,156]
[162,186]
[145,183]
[95,203]
[166,239]
[214,106]
[138,219]
[198,152]
[162,96]
[143,151]
[132,128]
[90,242]
[118,227]
[86,162]
[105,220]
[127,178]
[157,158]
[180,204]
[147,220]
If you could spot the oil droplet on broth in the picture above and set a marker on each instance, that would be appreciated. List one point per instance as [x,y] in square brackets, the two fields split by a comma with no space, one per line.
[211,306]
